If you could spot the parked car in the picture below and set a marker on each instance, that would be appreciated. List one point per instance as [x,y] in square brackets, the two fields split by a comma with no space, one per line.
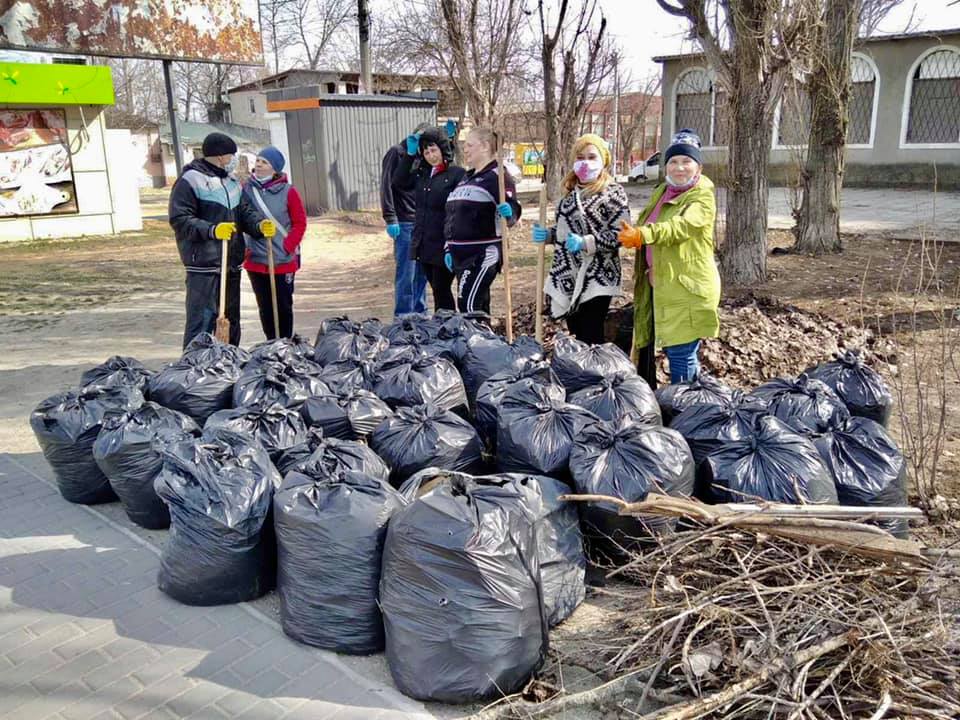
[649,169]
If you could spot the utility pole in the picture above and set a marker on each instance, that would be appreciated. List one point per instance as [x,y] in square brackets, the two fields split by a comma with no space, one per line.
[172,116]
[363,20]
[616,114]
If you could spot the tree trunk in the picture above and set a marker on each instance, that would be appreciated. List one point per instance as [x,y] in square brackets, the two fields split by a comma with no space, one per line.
[744,258]
[818,229]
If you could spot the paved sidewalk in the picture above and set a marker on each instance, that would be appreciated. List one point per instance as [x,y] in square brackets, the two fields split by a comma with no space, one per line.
[84,632]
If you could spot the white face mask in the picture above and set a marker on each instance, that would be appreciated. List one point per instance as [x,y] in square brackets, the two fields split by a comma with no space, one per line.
[264,178]
[587,170]
[232,165]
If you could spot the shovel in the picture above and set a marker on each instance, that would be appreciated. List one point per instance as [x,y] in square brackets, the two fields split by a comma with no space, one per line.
[222,332]
[273,288]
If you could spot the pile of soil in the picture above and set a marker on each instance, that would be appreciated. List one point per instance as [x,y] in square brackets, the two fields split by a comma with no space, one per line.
[760,339]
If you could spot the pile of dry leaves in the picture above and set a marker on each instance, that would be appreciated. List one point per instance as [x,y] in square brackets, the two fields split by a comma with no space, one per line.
[760,339]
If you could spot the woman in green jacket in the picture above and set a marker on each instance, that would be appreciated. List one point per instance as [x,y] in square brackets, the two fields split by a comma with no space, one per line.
[677,285]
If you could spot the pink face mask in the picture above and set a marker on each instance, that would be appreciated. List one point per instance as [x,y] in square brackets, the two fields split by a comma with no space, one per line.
[587,170]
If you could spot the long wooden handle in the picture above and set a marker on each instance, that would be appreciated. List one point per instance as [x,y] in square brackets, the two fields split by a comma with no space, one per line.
[541,267]
[273,288]
[505,244]
[224,252]
[634,350]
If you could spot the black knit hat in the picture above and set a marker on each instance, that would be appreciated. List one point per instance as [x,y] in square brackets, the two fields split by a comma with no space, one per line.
[216,144]
[438,137]
[685,142]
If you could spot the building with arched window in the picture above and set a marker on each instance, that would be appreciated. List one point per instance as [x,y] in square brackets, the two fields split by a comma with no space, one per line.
[904,107]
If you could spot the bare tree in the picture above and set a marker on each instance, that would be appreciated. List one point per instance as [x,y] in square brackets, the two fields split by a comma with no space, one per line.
[752,46]
[639,113]
[584,63]
[828,85]
[188,85]
[278,31]
[315,24]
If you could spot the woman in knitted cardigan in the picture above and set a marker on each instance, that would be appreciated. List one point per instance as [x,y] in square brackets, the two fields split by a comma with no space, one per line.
[585,275]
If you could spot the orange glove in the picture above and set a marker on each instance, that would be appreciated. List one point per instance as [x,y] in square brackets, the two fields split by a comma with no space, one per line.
[630,236]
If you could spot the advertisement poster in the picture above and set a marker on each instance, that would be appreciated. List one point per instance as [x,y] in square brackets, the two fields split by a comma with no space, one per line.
[36,176]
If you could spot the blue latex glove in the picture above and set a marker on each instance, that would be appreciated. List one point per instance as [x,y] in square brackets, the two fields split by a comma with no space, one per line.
[451,128]
[505,210]
[575,243]
[393,230]
[448,261]
[540,233]
[413,144]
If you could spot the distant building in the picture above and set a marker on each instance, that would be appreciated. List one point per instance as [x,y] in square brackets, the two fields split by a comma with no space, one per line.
[248,102]
[904,109]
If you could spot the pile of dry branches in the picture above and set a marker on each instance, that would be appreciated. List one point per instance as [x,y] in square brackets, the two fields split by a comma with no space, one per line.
[725,622]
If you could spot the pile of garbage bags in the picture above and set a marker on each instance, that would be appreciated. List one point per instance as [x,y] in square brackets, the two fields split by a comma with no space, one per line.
[401,484]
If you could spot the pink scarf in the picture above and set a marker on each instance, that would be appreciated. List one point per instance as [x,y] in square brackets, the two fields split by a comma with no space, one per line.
[672,191]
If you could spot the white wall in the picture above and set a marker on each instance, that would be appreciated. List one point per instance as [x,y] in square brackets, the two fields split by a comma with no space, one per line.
[278,138]
[240,108]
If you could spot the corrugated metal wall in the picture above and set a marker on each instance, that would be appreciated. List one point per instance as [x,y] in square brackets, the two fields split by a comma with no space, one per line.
[336,149]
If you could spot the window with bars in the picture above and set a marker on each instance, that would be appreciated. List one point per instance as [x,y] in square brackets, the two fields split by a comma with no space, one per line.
[934,114]
[694,103]
[795,108]
[860,106]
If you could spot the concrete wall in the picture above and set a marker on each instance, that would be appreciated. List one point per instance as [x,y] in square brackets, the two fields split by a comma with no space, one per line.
[887,162]
[240,109]
[101,161]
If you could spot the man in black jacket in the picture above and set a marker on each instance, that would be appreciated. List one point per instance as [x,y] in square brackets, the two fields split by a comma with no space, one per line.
[398,206]
[206,207]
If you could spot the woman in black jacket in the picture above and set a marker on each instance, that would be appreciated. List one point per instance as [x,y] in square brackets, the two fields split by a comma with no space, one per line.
[430,172]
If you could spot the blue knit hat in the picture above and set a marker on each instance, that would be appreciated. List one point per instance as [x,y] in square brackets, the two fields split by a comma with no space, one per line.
[274,157]
[685,142]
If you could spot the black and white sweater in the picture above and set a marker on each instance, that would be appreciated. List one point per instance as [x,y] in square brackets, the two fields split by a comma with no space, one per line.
[595,270]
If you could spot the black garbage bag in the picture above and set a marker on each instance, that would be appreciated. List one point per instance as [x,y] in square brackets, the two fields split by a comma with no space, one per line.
[118,370]
[423,380]
[66,426]
[320,457]
[860,388]
[491,392]
[456,330]
[677,397]
[487,355]
[461,594]
[579,365]
[559,542]
[773,463]
[124,452]
[218,489]
[347,413]
[208,350]
[867,468]
[201,381]
[627,460]
[275,427]
[537,430]
[620,395]
[274,382]
[330,534]
[427,436]
[708,426]
[341,339]
[345,374]
[291,350]
[804,404]
[411,329]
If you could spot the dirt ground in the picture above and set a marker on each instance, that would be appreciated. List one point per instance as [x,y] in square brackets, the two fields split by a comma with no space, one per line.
[66,305]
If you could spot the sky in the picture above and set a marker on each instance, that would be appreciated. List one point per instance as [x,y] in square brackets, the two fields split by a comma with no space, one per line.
[645,30]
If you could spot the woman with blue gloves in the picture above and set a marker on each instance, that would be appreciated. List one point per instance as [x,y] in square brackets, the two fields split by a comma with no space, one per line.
[585,274]
[473,248]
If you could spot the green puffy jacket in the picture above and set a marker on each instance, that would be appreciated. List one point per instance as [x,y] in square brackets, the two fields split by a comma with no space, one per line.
[686,295]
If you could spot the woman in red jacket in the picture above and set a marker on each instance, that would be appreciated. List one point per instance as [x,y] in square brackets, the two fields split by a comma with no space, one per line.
[272,194]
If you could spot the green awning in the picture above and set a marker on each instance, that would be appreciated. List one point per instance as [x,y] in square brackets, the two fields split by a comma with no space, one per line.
[56,84]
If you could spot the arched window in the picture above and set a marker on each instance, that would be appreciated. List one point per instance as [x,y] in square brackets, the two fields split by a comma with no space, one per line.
[933,93]
[694,104]
[862,103]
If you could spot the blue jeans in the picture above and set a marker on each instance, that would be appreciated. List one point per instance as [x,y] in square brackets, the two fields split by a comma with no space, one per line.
[684,365]
[410,284]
